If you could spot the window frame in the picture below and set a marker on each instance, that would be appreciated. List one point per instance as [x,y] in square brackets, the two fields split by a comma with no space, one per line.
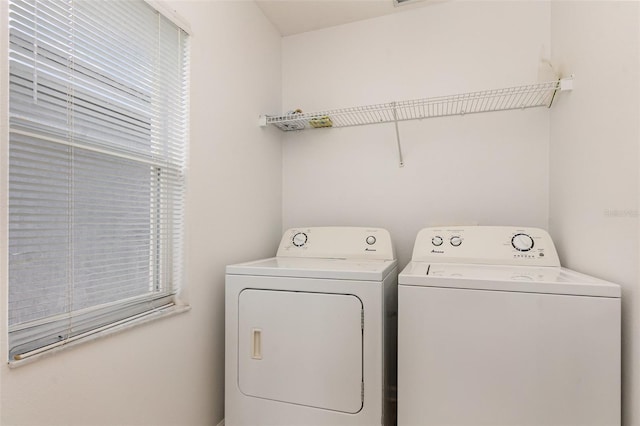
[176,306]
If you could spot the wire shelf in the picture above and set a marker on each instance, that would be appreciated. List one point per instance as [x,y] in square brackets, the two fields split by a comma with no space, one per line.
[520,97]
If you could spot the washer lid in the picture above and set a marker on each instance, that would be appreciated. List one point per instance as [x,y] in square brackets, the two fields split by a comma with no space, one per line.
[339,269]
[548,280]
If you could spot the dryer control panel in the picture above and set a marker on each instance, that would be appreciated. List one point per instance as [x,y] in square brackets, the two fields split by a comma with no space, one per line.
[337,242]
[491,245]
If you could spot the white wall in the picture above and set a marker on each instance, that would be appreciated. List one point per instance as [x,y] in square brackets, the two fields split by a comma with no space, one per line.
[486,168]
[595,132]
[171,372]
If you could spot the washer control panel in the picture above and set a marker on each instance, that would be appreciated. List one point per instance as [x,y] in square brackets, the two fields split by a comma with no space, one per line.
[494,245]
[337,242]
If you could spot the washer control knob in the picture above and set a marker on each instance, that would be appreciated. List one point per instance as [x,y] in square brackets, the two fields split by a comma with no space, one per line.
[436,241]
[455,240]
[299,239]
[522,242]
[371,240]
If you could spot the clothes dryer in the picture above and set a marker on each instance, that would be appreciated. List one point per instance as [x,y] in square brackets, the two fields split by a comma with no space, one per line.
[493,331]
[311,333]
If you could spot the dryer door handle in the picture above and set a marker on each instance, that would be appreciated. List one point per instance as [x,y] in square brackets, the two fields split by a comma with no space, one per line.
[256,343]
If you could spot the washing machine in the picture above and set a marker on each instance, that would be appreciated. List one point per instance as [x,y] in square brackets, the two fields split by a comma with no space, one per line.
[493,331]
[311,333]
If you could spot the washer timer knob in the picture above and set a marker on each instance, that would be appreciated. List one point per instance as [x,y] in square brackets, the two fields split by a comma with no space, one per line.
[522,242]
[436,241]
[371,240]
[299,239]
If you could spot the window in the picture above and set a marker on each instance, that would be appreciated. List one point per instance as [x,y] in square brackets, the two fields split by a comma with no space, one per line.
[98,122]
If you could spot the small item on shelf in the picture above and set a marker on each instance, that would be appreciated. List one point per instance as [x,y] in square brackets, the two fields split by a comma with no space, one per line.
[323,121]
[294,125]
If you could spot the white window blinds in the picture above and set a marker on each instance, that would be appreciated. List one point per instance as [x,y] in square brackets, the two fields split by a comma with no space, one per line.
[98,117]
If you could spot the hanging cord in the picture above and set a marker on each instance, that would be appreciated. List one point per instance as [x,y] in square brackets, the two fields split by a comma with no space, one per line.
[71,137]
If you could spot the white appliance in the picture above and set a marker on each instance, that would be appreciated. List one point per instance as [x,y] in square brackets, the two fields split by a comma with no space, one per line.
[311,333]
[492,331]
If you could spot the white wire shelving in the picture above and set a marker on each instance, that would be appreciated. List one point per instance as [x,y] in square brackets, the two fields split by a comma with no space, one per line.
[519,97]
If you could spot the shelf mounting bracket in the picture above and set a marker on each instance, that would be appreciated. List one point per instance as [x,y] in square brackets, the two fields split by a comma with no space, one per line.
[395,122]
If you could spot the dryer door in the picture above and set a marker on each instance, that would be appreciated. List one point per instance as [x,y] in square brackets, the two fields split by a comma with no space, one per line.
[301,348]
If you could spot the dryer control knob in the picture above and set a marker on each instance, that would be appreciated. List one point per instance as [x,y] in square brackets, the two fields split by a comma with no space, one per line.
[299,239]
[436,241]
[455,241]
[522,242]
[371,240]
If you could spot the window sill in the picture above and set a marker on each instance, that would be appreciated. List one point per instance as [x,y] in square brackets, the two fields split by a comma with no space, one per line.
[109,330]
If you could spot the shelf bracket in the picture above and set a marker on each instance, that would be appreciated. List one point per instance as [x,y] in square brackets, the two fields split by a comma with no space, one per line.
[566,83]
[395,122]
